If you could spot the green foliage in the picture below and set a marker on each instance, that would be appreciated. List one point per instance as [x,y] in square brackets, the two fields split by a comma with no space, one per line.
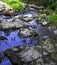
[15,4]
[49,11]
[50,3]
[53,19]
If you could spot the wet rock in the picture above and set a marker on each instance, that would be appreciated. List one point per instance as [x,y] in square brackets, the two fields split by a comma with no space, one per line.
[37,7]
[26,55]
[44,22]
[6,9]
[55,32]
[33,23]
[30,14]
[27,32]
[27,19]
[3,38]
[1,8]
[49,45]
[32,9]
[42,19]
[15,49]
[12,55]
[27,15]
[16,24]
[29,54]
[52,28]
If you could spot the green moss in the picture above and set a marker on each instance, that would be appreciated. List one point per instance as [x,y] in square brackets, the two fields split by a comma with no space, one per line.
[15,4]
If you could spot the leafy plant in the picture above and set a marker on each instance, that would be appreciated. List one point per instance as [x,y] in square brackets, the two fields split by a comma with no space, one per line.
[50,3]
[15,4]
[49,11]
[53,19]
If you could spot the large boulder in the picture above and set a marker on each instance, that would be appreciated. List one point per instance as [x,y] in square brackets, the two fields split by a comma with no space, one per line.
[34,55]
[9,24]
[6,9]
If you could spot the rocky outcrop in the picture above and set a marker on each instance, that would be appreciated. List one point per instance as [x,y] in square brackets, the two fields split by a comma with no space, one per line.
[34,55]
[16,24]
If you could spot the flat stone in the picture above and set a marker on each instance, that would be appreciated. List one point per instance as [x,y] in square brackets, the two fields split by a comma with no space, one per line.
[29,54]
[27,19]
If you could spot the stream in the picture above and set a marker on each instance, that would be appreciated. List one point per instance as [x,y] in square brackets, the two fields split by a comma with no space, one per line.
[11,38]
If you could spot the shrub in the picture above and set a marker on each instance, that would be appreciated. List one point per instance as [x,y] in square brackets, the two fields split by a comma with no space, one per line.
[50,3]
[17,5]
[49,11]
[53,19]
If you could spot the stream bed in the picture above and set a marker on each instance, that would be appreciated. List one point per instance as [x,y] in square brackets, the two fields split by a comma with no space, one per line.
[22,37]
